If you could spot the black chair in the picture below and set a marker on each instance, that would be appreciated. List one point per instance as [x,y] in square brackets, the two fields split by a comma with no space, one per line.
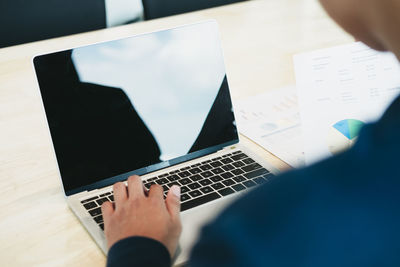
[25,21]
[162,8]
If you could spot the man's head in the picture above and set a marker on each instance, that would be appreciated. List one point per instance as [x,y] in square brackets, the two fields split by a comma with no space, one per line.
[374,22]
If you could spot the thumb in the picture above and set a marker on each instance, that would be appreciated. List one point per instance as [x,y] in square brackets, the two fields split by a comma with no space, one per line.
[173,201]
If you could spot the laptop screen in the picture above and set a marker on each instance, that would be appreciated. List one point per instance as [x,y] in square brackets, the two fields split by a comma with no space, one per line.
[136,105]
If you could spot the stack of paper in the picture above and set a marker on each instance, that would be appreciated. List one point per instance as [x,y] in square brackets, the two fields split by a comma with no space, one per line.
[272,120]
[340,89]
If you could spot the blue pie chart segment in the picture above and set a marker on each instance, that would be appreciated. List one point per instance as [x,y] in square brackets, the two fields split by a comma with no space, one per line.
[350,128]
[343,134]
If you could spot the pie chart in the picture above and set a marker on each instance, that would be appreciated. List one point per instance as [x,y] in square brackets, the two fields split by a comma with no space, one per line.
[343,134]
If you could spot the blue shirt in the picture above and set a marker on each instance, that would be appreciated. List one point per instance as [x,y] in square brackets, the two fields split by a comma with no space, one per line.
[340,212]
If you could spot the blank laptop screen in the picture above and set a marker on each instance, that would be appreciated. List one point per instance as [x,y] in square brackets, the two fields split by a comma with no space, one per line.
[124,105]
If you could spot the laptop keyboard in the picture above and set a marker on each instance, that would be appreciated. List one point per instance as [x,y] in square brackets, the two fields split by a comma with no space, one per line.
[200,183]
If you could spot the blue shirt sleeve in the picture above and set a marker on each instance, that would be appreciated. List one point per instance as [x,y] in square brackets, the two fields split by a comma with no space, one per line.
[138,251]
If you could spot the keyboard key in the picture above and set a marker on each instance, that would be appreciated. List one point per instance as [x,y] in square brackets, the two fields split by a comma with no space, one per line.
[238,187]
[195,170]
[255,173]
[196,165]
[184,189]
[216,164]
[148,185]
[165,188]
[226,160]
[194,186]
[248,161]
[238,164]
[101,201]
[251,167]
[98,219]
[228,167]
[185,168]
[239,179]
[217,186]
[206,190]
[172,178]
[95,212]
[206,174]
[259,180]
[249,183]
[162,181]
[239,156]
[236,152]
[173,183]
[111,198]
[226,175]
[195,193]
[163,175]
[237,171]
[207,161]
[205,182]
[199,201]
[196,177]
[89,199]
[174,172]
[184,197]
[269,176]
[185,181]
[226,191]
[105,194]
[216,178]
[90,205]
[184,174]
[206,167]
[217,170]
[228,182]
[102,226]
[227,155]
[215,159]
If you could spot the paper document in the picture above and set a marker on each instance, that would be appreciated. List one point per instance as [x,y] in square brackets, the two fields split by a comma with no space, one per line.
[272,120]
[340,89]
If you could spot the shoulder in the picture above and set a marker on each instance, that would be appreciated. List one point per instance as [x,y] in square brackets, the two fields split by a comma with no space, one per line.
[315,214]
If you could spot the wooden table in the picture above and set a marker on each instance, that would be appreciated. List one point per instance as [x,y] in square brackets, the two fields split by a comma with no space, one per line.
[36,226]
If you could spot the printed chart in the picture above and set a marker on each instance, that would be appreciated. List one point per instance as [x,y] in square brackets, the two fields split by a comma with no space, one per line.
[343,134]
[272,120]
[340,89]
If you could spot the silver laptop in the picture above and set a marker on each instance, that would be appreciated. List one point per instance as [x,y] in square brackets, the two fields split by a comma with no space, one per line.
[156,105]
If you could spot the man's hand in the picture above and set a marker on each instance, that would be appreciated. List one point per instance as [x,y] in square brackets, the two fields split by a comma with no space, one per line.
[135,214]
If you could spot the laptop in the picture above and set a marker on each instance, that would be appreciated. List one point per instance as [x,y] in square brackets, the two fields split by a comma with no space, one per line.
[157,105]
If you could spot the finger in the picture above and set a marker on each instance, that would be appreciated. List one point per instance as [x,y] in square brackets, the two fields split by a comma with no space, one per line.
[146,191]
[156,192]
[173,201]
[135,187]
[120,194]
[107,210]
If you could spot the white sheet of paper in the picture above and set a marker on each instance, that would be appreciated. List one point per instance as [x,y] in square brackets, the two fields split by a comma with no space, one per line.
[340,89]
[272,120]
